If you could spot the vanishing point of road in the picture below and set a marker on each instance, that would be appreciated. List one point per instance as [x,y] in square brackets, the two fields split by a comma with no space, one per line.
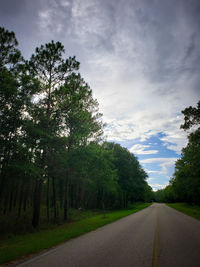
[157,236]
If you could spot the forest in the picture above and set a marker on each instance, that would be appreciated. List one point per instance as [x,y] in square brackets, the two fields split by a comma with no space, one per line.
[184,186]
[53,156]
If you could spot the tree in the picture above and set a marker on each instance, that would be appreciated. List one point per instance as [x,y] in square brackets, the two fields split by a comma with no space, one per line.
[187,175]
[50,133]
[48,66]
[79,119]
[186,181]
[10,56]
[16,90]
[131,176]
[191,117]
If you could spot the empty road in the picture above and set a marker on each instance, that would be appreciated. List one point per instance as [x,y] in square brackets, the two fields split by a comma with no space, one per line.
[155,236]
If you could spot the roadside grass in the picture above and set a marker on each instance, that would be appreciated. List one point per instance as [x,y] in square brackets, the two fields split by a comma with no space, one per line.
[191,210]
[19,246]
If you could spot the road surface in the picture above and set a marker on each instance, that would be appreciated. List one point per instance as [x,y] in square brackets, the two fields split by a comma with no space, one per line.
[155,236]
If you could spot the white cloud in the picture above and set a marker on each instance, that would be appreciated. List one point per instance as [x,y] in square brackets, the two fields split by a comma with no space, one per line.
[90,22]
[175,140]
[157,183]
[141,91]
[162,160]
[52,19]
[156,186]
[155,172]
[45,18]
[141,150]
[133,107]
[165,164]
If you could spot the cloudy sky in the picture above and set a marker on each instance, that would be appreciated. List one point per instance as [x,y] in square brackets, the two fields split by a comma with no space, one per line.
[140,57]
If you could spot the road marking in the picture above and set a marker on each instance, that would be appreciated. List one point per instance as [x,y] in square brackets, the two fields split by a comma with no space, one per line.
[155,245]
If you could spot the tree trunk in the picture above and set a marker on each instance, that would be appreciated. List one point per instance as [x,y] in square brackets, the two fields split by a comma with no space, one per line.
[26,197]
[20,200]
[47,198]
[5,205]
[71,192]
[61,193]
[125,200]
[11,199]
[82,196]
[4,166]
[54,198]
[66,200]
[15,196]
[3,181]
[36,203]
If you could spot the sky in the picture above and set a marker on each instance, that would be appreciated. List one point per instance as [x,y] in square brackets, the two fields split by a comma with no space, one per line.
[140,57]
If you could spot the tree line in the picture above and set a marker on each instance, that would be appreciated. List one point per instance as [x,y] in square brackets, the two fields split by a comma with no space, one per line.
[185,183]
[51,151]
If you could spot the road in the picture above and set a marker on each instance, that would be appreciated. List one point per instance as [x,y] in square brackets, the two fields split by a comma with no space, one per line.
[156,236]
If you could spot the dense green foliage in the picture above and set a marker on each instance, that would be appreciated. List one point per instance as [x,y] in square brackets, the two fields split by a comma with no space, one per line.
[185,184]
[50,129]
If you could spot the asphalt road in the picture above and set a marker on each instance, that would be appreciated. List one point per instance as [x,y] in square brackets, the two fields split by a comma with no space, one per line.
[155,236]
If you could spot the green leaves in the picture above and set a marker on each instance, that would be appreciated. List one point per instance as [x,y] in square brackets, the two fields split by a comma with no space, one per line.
[9,54]
[185,185]
[191,117]
[50,128]
[48,65]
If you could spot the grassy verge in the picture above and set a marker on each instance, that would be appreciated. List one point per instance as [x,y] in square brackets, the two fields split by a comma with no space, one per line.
[192,210]
[21,245]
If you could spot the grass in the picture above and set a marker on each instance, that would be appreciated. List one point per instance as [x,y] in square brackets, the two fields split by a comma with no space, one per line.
[18,246]
[191,210]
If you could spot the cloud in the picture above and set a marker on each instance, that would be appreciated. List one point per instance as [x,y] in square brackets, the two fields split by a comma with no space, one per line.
[57,11]
[153,160]
[145,80]
[165,164]
[141,150]
[156,187]
[141,107]
[157,183]
[155,172]
[92,23]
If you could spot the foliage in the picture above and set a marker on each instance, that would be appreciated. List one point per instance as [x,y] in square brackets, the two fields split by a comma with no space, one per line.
[185,185]
[191,117]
